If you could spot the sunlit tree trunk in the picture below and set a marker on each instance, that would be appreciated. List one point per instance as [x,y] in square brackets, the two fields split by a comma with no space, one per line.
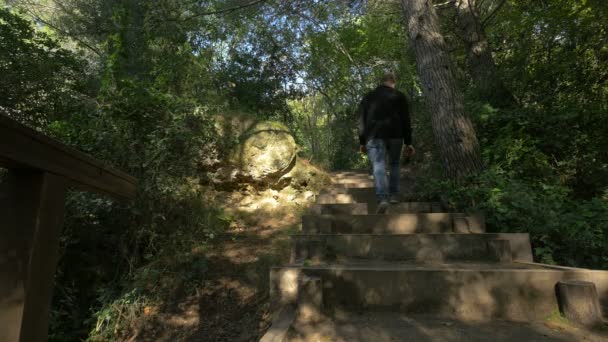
[453,131]
[480,62]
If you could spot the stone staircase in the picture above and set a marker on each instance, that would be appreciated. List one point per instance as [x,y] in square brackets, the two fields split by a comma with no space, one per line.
[416,259]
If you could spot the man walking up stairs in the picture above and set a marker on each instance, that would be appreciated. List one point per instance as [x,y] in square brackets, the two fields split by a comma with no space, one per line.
[384,126]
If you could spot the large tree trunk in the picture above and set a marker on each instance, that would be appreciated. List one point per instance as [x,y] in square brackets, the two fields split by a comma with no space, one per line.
[453,131]
[480,62]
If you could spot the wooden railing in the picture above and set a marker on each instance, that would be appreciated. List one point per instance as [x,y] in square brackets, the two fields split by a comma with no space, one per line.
[32,200]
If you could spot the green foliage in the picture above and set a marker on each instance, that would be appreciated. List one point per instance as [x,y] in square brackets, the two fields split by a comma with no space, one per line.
[546,165]
[563,230]
[159,139]
[553,59]
[526,189]
[39,77]
[342,63]
[139,124]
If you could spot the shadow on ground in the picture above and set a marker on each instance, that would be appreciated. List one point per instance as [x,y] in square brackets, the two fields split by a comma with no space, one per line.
[231,301]
[387,327]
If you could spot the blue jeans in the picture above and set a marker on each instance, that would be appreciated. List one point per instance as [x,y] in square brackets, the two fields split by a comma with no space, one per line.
[377,151]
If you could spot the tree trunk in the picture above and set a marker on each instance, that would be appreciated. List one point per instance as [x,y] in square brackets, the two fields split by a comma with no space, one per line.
[453,131]
[480,62]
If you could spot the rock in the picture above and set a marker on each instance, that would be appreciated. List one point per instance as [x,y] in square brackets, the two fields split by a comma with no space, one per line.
[309,195]
[262,154]
[304,176]
[266,151]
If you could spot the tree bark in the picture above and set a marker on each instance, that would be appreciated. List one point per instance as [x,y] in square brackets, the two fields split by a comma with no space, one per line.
[480,62]
[454,133]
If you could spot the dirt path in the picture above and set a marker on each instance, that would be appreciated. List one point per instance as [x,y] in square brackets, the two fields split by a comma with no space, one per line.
[231,302]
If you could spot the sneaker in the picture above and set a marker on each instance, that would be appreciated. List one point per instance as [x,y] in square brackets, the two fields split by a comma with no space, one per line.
[395,199]
[382,207]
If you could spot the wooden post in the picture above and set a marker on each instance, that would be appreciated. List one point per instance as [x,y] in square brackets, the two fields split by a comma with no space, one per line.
[310,300]
[32,210]
[32,200]
[578,301]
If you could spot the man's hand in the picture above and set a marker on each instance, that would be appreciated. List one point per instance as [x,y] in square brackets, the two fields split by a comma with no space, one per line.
[363,149]
[409,151]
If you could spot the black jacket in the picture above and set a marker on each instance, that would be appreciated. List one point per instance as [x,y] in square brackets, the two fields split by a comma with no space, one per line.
[383,113]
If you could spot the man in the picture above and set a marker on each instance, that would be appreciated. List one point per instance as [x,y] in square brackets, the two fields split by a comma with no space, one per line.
[384,126]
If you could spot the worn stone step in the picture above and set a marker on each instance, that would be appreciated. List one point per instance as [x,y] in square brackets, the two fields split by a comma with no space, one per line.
[353,184]
[362,197]
[368,191]
[349,173]
[352,176]
[394,326]
[347,195]
[363,208]
[413,247]
[404,172]
[392,224]
[470,291]
[339,208]
[354,195]
[363,182]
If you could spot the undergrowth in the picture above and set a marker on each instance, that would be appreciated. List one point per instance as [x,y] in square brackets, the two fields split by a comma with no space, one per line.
[528,186]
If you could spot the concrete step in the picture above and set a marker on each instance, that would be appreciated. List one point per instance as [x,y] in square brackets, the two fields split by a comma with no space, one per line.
[338,194]
[357,192]
[353,184]
[363,208]
[339,208]
[470,291]
[413,247]
[362,182]
[392,224]
[404,173]
[354,195]
[394,326]
[352,176]
[343,174]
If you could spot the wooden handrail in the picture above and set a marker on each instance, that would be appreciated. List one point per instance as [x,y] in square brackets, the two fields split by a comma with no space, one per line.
[23,147]
[32,201]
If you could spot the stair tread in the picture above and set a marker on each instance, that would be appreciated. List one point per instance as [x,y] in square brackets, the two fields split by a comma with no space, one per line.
[387,214]
[397,235]
[392,326]
[373,265]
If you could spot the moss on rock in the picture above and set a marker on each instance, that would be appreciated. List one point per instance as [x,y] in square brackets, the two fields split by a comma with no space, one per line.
[266,150]
[304,175]
[252,152]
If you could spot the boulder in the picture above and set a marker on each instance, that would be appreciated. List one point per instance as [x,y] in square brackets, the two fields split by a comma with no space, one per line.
[304,176]
[251,152]
[265,152]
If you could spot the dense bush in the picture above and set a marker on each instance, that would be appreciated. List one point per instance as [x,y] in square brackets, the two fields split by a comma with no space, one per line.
[159,139]
[546,156]
[40,79]
[563,230]
[531,185]
[115,255]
